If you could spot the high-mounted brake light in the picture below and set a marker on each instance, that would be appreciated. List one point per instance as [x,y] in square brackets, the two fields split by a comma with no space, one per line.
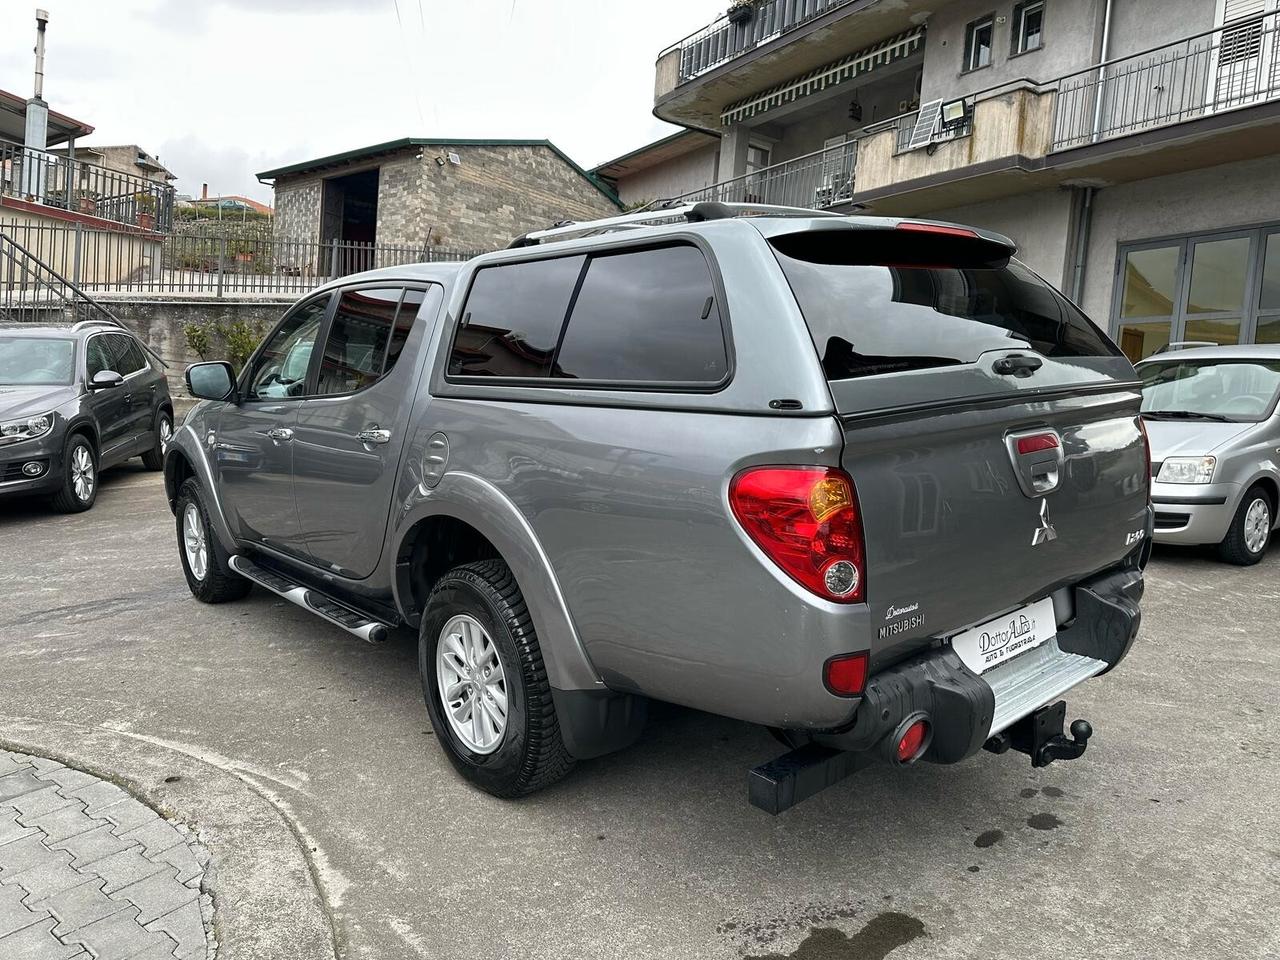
[806,520]
[937,228]
[846,675]
[1034,444]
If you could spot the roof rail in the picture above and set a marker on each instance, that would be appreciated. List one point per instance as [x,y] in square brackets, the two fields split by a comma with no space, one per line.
[81,324]
[690,212]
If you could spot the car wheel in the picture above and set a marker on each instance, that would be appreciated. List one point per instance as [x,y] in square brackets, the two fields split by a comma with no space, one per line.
[486,685]
[153,459]
[1250,532]
[79,487]
[204,562]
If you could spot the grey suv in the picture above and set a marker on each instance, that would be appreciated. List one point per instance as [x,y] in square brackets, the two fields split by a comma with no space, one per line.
[869,483]
[74,400]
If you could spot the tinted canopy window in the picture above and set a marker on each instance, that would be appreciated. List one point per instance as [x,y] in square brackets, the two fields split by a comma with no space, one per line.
[649,315]
[881,303]
[512,319]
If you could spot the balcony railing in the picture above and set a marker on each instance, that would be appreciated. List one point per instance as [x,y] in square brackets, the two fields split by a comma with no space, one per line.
[1234,66]
[72,185]
[724,39]
[820,179]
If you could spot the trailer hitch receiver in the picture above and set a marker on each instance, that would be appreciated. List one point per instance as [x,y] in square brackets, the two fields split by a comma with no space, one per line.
[1040,736]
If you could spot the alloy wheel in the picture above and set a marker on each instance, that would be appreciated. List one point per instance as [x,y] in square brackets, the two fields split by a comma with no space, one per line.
[1257,525]
[473,686]
[83,475]
[166,434]
[195,542]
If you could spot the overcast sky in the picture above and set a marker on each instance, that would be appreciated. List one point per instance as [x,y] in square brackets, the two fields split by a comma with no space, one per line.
[221,89]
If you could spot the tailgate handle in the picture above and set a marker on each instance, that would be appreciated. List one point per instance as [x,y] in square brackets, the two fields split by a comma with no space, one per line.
[1017,365]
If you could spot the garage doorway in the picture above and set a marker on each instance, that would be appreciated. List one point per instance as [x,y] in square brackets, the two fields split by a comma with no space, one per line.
[349,218]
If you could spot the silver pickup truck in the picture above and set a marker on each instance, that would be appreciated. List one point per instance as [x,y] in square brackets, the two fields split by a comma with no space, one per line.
[870,483]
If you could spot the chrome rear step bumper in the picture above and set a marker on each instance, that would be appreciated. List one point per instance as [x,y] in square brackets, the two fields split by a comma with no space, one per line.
[1037,677]
[313,601]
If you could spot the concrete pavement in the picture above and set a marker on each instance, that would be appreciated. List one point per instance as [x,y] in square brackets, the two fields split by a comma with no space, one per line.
[308,769]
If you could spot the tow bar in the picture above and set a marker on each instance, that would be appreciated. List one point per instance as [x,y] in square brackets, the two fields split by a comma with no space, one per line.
[1040,736]
[787,780]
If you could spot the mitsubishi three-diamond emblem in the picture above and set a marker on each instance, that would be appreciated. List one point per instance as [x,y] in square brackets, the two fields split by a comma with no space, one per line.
[1045,532]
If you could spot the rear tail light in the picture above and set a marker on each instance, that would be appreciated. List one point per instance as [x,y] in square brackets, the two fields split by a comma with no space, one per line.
[1038,442]
[912,742]
[846,675]
[938,228]
[1146,448]
[806,520]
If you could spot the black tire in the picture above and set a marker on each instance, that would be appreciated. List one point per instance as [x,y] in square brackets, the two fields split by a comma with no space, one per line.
[220,584]
[153,459]
[1234,547]
[531,753]
[67,500]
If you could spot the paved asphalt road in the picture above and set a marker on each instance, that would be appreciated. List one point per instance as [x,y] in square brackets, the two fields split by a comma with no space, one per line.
[1163,841]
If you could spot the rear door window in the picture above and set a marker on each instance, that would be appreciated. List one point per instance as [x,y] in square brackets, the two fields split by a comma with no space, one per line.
[646,316]
[409,307]
[512,319]
[129,356]
[878,302]
[356,346]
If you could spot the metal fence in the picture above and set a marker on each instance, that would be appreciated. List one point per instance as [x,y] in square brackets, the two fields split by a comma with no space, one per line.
[217,264]
[1233,66]
[820,179]
[79,187]
[32,291]
[725,39]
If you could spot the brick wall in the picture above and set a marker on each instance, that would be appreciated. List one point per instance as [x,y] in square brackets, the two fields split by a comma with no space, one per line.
[496,193]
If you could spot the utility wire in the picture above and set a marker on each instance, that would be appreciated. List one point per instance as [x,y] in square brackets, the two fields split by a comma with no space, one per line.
[411,63]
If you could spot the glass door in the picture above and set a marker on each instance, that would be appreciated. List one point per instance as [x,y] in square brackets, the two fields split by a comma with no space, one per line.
[1150,278]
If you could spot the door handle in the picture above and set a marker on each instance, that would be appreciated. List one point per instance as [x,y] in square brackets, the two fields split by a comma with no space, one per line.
[374,435]
[280,433]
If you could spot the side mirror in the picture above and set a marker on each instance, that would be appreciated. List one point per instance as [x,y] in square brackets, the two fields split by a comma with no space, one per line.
[105,380]
[211,381]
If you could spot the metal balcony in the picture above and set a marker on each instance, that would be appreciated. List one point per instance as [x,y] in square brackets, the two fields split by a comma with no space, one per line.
[820,179]
[62,183]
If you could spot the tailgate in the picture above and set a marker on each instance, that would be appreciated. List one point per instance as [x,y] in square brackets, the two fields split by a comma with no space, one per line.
[991,430]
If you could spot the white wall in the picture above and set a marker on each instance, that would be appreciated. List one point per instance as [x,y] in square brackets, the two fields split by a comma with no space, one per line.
[1232,195]
[674,178]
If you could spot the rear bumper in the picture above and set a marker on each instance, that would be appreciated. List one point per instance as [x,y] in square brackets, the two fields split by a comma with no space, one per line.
[1193,515]
[965,709]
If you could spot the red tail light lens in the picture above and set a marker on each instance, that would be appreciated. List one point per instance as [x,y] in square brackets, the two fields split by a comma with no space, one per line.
[938,228]
[846,675]
[911,742]
[806,520]
[1041,441]
[1146,447]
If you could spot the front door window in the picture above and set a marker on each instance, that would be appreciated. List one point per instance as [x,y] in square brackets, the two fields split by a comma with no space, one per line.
[280,368]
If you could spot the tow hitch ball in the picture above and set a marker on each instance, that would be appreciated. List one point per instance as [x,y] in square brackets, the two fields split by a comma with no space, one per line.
[1040,736]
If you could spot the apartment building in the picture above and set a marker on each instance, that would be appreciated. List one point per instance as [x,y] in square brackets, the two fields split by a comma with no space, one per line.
[1129,146]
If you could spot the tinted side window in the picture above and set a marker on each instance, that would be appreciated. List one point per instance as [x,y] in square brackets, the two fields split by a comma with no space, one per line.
[512,319]
[648,315]
[98,357]
[131,357]
[356,346]
[280,369]
[409,307]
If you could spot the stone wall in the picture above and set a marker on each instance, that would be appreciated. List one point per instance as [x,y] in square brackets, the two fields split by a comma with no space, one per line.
[497,192]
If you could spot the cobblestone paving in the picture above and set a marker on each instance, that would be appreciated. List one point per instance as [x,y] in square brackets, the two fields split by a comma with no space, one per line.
[89,873]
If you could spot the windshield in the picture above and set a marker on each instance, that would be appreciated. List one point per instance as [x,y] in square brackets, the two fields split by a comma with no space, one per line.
[44,361]
[1236,391]
[878,305]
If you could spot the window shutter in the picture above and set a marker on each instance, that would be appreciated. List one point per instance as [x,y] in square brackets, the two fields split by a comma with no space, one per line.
[1239,9]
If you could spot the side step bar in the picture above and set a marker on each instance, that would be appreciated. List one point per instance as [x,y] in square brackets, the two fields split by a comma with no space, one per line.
[313,601]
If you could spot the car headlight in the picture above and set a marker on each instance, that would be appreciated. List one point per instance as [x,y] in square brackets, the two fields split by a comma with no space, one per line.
[27,428]
[1187,470]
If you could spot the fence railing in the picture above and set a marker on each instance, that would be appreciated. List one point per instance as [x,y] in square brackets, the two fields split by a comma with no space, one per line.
[79,187]
[32,291]
[1233,66]
[728,37]
[216,264]
[821,179]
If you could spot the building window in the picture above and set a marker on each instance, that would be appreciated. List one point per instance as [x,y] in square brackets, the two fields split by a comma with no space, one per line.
[1028,26]
[1219,288]
[978,38]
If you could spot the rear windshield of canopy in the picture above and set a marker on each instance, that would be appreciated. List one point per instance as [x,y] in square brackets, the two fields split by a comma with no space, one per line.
[885,301]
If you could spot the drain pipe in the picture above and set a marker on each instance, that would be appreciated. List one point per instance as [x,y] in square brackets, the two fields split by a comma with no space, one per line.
[1102,71]
[1084,224]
